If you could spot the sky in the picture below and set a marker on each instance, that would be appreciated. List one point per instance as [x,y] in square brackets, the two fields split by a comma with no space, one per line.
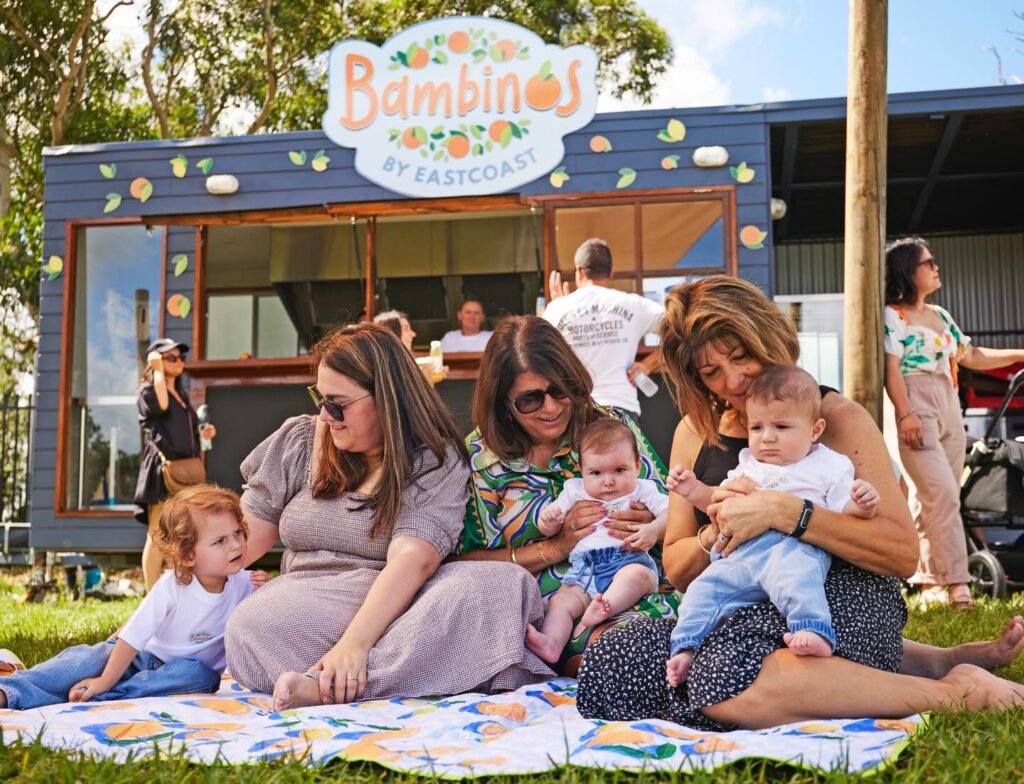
[749,51]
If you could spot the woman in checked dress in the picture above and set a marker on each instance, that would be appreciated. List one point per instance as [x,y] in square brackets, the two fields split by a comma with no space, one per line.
[368,499]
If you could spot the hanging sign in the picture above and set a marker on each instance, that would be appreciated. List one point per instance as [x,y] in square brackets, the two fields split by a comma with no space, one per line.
[458,106]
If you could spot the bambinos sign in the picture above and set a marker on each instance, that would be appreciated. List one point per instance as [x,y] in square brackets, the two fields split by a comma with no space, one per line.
[458,106]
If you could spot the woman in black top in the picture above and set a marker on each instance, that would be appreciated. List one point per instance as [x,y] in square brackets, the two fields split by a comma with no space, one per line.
[717,336]
[169,426]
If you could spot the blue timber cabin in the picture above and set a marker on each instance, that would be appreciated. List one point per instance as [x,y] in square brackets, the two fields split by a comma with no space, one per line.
[249,280]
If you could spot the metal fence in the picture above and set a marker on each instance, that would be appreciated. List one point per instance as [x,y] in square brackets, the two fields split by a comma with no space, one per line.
[15,432]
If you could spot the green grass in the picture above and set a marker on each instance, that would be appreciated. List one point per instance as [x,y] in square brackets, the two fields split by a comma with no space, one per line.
[955,748]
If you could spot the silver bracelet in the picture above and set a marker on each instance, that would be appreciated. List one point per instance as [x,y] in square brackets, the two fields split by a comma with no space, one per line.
[899,419]
[700,544]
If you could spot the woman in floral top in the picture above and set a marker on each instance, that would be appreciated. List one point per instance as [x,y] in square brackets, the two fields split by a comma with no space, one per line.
[923,347]
[531,403]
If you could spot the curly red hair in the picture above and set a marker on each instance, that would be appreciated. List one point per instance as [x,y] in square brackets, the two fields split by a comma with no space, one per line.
[176,532]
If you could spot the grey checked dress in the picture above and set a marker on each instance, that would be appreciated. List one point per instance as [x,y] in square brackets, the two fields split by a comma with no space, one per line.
[465,628]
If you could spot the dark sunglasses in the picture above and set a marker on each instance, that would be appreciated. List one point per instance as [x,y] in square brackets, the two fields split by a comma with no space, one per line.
[930,262]
[335,410]
[169,357]
[532,399]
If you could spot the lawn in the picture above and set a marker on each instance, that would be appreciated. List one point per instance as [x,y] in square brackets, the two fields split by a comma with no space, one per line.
[954,748]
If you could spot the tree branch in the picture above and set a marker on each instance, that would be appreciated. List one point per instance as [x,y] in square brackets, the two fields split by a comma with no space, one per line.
[24,35]
[60,116]
[271,93]
[159,108]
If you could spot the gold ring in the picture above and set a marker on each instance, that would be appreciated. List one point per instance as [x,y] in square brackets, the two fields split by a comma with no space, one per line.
[350,678]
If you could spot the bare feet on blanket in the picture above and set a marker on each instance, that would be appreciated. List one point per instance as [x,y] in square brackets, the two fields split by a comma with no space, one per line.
[974,688]
[295,690]
[597,612]
[678,668]
[807,643]
[546,648]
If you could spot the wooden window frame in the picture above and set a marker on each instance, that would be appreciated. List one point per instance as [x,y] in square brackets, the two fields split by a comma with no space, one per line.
[724,193]
[67,330]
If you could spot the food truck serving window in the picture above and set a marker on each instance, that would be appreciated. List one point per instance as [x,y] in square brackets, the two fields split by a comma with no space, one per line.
[115,317]
[274,290]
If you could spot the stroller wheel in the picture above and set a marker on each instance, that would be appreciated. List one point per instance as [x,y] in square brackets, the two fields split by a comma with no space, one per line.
[987,574]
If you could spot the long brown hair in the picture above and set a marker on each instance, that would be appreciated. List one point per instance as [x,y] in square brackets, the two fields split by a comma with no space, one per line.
[413,419]
[732,313]
[527,344]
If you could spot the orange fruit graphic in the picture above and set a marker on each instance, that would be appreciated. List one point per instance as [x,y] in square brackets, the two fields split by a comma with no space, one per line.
[135,729]
[511,710]
[458,146]
[409,137]
[508,49]
[232,707]
[542,94]
[751,235]
[599,144]
[135,189]
[458,42]
[497,129]
[420,59]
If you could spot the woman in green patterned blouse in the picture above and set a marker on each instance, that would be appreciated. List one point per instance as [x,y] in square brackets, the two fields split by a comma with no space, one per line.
[532,401]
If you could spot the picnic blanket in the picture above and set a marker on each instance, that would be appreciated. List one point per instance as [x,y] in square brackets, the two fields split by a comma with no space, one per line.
[532,730]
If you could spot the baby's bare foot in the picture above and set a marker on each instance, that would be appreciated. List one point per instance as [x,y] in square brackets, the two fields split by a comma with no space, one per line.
[295,690]
[807,643]
[598,611]
[546,648]
[678,668]
[3,700]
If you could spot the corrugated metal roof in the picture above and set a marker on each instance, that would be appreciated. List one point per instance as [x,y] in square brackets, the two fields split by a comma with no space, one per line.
[983,280]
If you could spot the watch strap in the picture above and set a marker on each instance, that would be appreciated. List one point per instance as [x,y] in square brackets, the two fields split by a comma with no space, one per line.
[803,521]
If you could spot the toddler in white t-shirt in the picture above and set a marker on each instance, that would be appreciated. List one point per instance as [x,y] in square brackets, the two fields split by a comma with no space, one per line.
[604,578]
[783,423]
[174,641]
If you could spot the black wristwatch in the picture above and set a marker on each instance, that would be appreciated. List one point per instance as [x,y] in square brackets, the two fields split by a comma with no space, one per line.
[804,521]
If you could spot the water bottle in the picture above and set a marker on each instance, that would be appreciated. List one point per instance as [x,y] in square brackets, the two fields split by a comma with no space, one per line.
[541,305]
[645,384]
[437,356]
[203,415]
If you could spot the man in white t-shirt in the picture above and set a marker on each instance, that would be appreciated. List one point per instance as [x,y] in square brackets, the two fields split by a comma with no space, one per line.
[604,326]
[470,336]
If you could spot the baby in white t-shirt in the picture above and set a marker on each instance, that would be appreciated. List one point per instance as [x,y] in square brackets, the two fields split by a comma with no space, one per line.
[604,578]
[784,423]
[174,641]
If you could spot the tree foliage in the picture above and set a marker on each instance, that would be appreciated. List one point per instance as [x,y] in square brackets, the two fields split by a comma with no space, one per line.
[222,66]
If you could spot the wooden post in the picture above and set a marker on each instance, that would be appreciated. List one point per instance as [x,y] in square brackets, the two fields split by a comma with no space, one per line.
[866,114]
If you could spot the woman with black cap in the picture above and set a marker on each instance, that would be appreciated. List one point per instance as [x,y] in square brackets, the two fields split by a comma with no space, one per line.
[171,452]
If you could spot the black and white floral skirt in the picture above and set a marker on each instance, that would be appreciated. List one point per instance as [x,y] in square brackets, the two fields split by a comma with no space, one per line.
[622,676]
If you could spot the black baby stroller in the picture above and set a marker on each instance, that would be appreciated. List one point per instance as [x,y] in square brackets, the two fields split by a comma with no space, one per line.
[992,506]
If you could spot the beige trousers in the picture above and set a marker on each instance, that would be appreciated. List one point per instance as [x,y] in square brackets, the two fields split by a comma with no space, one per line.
[935,471]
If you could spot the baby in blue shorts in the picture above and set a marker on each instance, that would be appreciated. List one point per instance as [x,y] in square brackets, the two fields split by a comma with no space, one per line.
[783,424]
[604,578]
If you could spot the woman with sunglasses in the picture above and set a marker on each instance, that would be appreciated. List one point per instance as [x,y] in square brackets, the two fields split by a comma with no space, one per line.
[170,428]
[368,499]
[531,404]
[923,347]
